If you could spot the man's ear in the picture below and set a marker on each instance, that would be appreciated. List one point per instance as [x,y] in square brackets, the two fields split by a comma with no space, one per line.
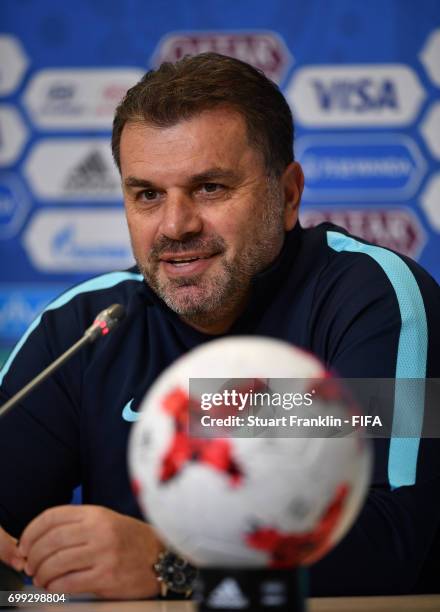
[292,183]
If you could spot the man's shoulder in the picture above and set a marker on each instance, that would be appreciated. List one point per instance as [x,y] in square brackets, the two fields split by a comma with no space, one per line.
[66,318]
[75,309]
[361,281]
[98,291]
[372,308]
[111,282]
[352,259]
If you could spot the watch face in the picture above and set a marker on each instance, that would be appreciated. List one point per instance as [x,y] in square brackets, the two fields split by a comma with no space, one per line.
[177,573]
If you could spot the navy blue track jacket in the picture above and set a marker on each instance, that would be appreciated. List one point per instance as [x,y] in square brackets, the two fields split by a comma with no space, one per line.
[363,310]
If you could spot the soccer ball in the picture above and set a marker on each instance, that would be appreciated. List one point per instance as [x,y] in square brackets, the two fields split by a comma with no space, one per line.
[259,501]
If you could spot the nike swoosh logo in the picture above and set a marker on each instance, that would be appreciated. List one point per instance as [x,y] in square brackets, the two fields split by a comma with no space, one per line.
[128,414]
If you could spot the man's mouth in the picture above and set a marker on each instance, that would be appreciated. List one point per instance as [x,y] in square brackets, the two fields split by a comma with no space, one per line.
[189,263]
[178,261]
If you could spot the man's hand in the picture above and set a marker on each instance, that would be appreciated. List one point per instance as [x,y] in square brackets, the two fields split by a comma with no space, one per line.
[9,553]
[91,549]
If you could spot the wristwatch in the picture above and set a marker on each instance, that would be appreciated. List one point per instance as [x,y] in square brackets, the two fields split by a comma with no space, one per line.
[175,574]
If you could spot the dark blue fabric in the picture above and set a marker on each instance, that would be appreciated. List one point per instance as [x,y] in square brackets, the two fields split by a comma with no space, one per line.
[340,306]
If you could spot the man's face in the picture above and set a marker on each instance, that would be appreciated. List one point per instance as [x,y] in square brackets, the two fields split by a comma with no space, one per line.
[203,216]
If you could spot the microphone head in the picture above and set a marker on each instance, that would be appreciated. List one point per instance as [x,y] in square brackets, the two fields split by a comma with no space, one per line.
[115,312]
[105,321]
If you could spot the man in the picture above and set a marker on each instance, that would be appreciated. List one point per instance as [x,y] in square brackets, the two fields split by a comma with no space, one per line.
[211,194]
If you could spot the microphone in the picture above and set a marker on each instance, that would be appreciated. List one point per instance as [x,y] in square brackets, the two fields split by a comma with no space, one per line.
[105,321]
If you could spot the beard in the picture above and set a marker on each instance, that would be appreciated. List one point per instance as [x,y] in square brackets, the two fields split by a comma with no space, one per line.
[223,289]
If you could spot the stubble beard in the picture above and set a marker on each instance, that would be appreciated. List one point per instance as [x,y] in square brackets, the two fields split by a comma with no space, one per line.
[205,299]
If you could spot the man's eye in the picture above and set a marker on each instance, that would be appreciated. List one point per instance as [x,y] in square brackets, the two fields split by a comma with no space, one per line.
[211,187]
[147,194]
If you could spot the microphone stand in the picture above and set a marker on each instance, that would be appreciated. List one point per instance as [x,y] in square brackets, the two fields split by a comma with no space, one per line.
[104,322]
[15,399]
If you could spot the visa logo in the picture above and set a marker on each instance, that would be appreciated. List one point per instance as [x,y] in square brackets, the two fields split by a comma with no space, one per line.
[355,95]
[360,95]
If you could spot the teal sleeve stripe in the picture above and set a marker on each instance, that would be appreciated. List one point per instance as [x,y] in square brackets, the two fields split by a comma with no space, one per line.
[94,284]
[411,357]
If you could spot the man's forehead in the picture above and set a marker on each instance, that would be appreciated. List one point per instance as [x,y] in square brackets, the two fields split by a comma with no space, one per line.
[215,138]
[209,175]
[206,121]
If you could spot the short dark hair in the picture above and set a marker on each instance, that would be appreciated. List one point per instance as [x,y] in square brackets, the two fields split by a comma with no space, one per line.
[175,92]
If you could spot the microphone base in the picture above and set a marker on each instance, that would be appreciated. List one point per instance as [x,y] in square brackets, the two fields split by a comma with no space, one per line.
[257,590]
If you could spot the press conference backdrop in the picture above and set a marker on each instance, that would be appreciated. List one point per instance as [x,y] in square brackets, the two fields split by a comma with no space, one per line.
[362,78]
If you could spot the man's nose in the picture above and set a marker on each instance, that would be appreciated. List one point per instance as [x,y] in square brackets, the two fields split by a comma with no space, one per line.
[181,217]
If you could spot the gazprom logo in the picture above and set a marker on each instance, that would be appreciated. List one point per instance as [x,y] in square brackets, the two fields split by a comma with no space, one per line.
[361,95]
[385,167]
[83,240]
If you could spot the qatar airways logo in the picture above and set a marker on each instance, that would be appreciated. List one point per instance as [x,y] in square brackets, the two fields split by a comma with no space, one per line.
[356,95]
[394,228]
[265,50]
